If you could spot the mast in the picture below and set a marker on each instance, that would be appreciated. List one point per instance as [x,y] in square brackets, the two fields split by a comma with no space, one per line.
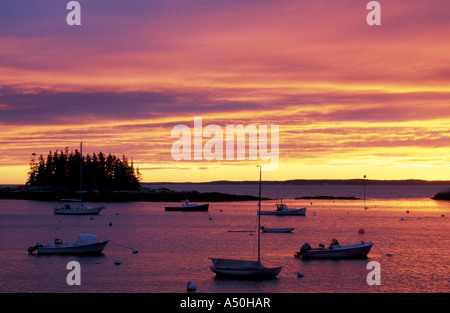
[259,216]
[365,192]
[81,172]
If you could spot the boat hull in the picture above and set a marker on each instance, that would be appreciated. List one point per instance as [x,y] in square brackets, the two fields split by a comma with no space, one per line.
[243,269]
[348,251]
[78,211]
[276,230]
[94,248]
[300,212]
[190,208]
[267,273]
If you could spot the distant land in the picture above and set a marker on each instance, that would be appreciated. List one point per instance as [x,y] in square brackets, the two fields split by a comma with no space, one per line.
[357,181]
[144,194]
[151,192]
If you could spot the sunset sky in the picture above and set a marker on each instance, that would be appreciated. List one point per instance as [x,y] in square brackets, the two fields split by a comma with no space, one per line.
[349,99]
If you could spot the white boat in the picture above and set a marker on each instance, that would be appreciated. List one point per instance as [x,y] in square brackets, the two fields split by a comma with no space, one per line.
[276,230]
[86,244]
[282,209]
[359,250]
[186,206]
[235,268]
[69,209]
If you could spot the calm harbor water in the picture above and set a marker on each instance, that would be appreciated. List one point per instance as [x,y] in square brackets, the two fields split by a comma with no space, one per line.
[174,247]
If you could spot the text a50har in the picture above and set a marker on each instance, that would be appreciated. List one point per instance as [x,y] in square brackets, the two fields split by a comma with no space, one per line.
[229,303]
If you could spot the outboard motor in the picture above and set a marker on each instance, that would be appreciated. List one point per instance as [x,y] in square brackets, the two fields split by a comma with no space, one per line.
[303,249]
[34,248]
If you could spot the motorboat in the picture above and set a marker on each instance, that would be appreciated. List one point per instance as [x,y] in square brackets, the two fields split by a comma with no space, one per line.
[282,209]
[359,250]
[276,230]
[186,206]
[246,269]
[85,244]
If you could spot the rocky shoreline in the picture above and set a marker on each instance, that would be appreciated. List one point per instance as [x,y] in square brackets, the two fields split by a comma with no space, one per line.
[146,194]
[143,194]
[442,195]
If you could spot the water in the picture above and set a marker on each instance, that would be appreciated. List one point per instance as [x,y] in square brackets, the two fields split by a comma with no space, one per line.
[173,247]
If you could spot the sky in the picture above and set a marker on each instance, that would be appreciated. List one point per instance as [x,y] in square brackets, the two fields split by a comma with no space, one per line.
[349,99]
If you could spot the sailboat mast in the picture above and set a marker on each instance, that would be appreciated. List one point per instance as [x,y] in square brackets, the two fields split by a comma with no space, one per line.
[81,172]
[259,217]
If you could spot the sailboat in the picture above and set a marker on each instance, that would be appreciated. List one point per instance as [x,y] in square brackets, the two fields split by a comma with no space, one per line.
[70,209]
[236,268]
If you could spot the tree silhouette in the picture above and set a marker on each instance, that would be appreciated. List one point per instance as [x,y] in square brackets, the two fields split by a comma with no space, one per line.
[62,169]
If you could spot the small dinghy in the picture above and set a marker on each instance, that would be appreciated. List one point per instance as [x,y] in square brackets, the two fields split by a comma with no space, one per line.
[86,244]
[276,230]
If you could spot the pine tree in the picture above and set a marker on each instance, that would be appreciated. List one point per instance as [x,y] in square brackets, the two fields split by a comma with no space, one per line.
[63,169]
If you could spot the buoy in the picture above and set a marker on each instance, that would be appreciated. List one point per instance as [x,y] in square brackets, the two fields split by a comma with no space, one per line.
[361,231]
[135,251]
[117,213]
[191,286]
[91,218]
[407,211]
[117,262]
[388,254]
[299,274]
[110,224]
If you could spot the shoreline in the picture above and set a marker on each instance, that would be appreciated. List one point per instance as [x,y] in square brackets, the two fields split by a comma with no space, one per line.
[143,195]
[152,192]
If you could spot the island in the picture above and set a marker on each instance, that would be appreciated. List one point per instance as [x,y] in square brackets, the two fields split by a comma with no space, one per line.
[327,198]
[442,195]
[98,177]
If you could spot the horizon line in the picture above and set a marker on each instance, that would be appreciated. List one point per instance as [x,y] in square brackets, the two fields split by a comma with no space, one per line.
[303,181]
[409,180]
